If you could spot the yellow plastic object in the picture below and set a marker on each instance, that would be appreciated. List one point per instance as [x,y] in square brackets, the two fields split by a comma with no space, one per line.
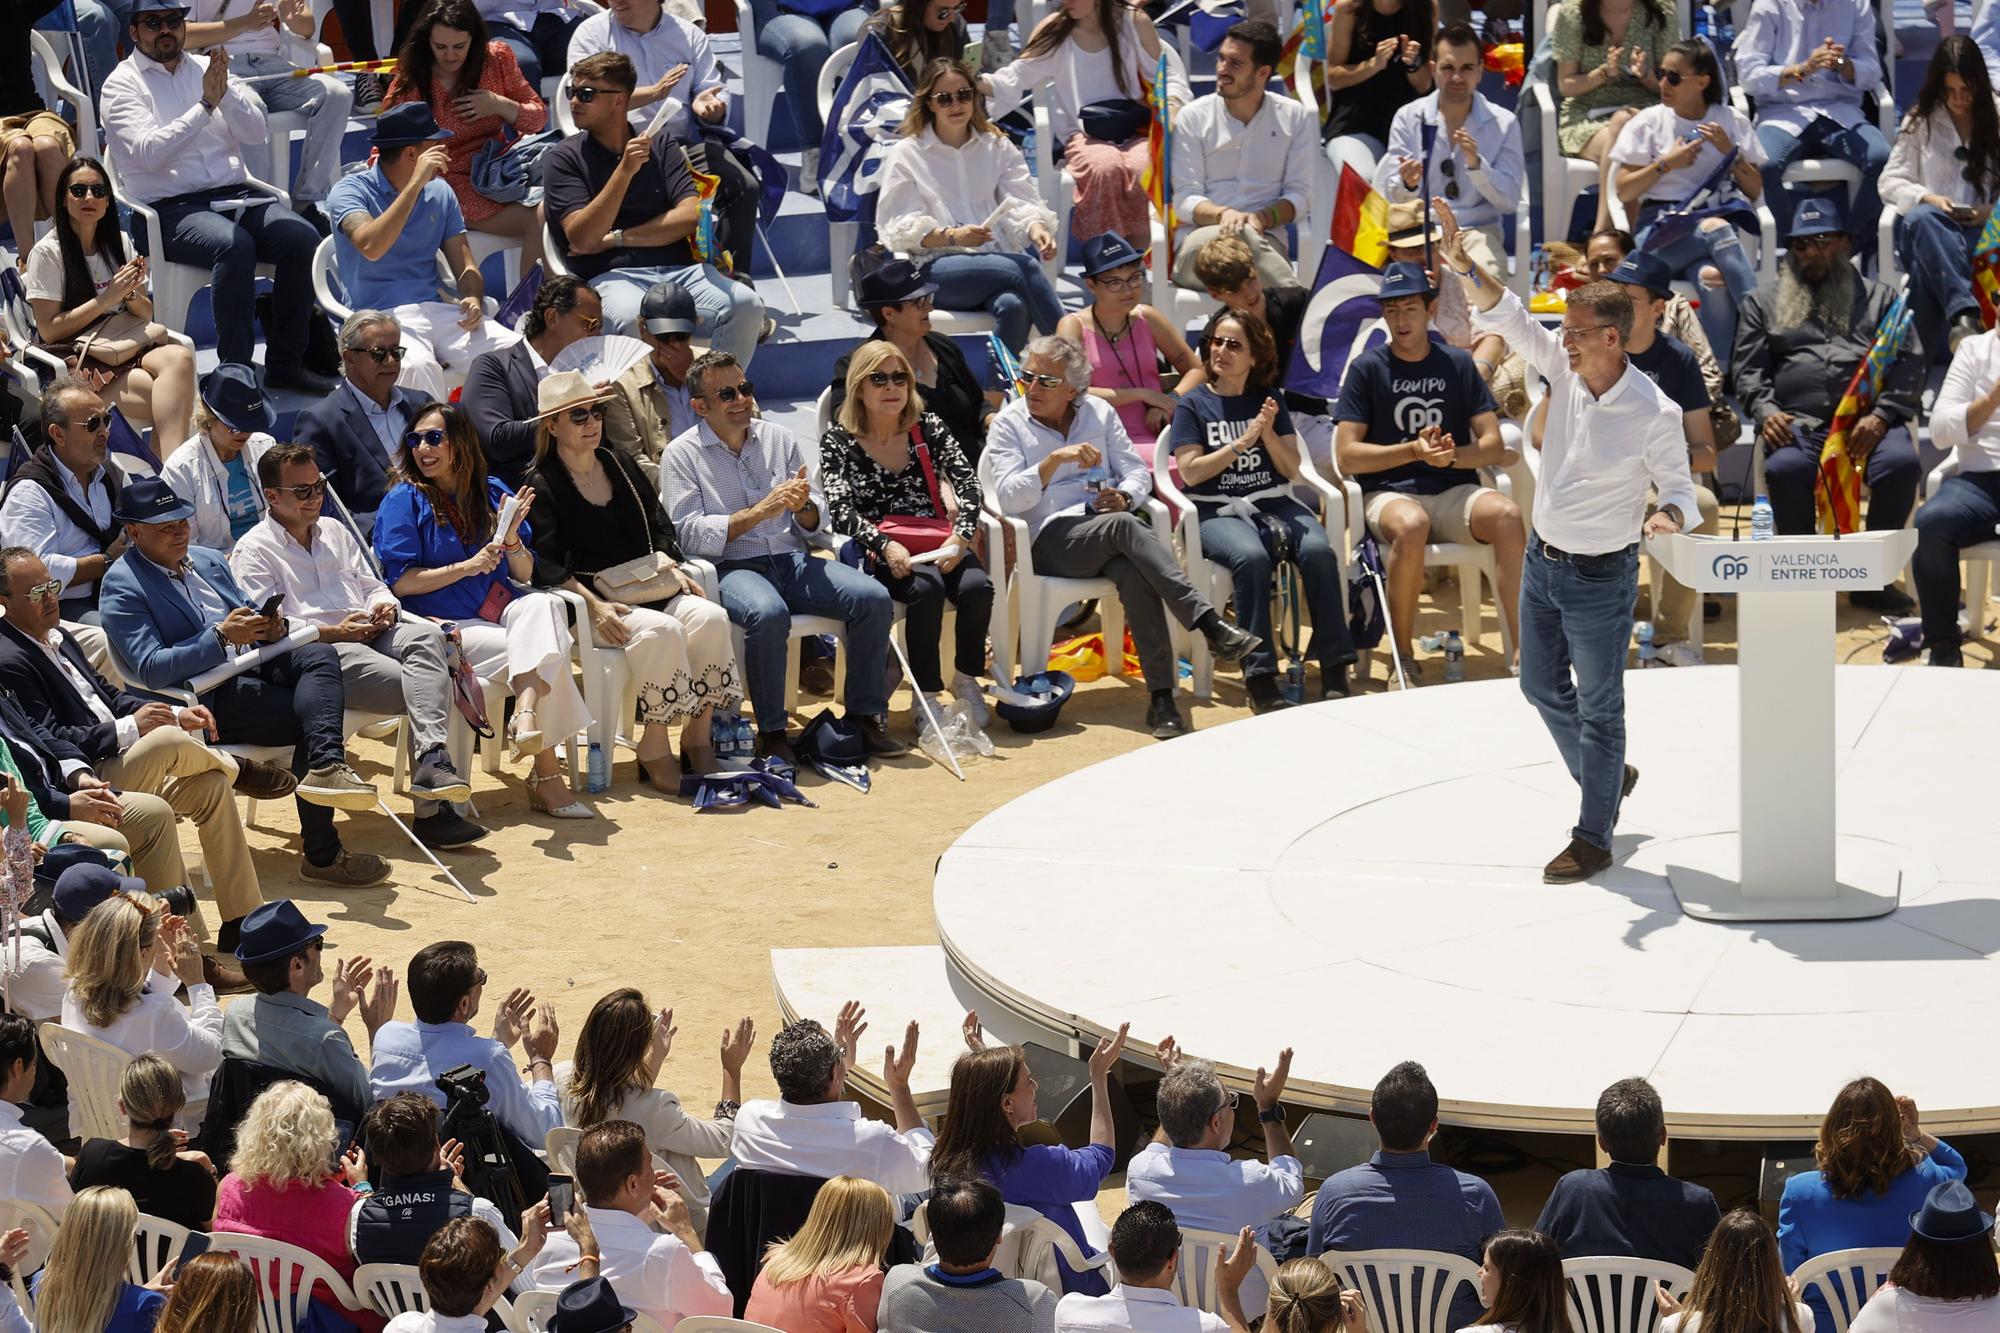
[1548,303]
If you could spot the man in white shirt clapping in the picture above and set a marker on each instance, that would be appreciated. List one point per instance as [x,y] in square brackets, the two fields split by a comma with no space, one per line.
[1146,1247]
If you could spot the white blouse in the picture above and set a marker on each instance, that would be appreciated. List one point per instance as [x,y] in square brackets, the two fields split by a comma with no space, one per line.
[928,185]
[188,1037]
[1924,160]
[1079,77]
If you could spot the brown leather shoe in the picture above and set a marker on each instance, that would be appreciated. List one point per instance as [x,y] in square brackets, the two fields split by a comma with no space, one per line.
[224,975]
[263,782]
[1631,781]
[1579,861]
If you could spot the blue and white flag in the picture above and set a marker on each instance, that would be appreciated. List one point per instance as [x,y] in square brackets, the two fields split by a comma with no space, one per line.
[1207,20]
[125,440]
[865,119]
[17,456]
[1343,320]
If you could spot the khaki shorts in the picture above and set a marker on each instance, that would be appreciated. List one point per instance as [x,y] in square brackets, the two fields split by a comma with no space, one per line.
[45,123]
[1450,513]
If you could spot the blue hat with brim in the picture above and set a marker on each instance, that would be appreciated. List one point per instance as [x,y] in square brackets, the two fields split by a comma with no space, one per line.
[1818,215]
[1643,269]
[233,396]
[1103,253]
[158,7]
[150,500]
[833,748]
[1045,693]
[273,930]
[589,1305]
[1951,1215]
[1403,278]
[411,122]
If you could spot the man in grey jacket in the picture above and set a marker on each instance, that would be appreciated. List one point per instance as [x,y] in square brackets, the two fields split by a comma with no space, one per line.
[963,1292]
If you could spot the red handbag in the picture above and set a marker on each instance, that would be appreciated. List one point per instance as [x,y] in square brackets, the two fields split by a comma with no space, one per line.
[915,534]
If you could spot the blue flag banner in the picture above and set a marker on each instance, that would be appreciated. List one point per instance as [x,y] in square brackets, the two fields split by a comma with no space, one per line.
[523,296]
[1207,20]
[17,457]
[1670,225]
[865,119]
[125,440]
[1343,320]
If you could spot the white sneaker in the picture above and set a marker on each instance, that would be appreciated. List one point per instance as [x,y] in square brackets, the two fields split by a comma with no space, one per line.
[967,691]
[1681,654]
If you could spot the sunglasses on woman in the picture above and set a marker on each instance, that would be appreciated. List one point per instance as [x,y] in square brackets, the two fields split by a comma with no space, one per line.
[79,190]
[1225,343]
[730,393]
[958,97]
[381,354]
[1672,77]
[579,415]
[429,438]
[882,379]
[1029,381]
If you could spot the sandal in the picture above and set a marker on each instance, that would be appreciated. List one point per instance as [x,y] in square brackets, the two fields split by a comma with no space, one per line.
[524,740]
[573,809]
[669,782]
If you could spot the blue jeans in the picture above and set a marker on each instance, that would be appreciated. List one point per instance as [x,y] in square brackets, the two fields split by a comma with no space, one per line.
[1863,145]
[1937,254]
[761,594]
[539,50]
[230,246]
[1576,616]
[1962,513]
[1014,288]
[730,313]
[326,100]
[801,45]
[1234,542]
[1791,472]
[101,23]
[1722,247]
[297,698]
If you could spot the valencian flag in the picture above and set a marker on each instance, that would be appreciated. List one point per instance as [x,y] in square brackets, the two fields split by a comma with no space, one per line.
[1838,496]
[1986,269]
[1159,151]
[1360,219]
[1307,43]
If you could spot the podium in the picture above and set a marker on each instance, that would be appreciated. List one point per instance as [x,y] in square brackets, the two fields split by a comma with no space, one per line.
[1786,862]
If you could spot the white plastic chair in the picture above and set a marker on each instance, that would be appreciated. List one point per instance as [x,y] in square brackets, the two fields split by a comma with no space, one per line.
[1615,1295]
[1845,1279]
[1201,1255]
[174,284]
[842,237]
[1979,560]
[40,1224]
[332,297]
[763,79]
[393,1289]
[286,1276]
[1405,1291]
[1029,1244]
[49,71]
[552,257]
[285,124]
[1564,179]
[533,1310]
[94,1068]
[620,686]
[155,1244]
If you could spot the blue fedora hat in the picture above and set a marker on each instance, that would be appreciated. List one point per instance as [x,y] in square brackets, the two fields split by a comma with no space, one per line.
[232,393]
[833,747]
[892,284]
[1644,269]
[150,500]
[411,122]
[1818,215]
[590,1306]
[1403,278]
[276,929]
[1038,702]
[1103,253]
[1950,1214]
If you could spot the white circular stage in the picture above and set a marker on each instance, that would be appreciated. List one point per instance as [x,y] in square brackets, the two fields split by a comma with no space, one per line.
[1362,880]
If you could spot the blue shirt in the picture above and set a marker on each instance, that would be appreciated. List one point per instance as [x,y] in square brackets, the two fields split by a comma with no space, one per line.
[408,1057]
[410,534]
[407,273]
[1812,1222]
[1630,1209]
[1208,421]
[239,500]
[136,1312]
[1052,1179]
[1405,1201]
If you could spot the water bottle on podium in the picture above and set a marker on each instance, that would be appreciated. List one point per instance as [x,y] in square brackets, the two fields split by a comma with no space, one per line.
[1763,524]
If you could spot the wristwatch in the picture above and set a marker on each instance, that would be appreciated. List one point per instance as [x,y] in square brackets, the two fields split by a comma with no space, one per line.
[1274,1116]
[615,238]
[1673,512]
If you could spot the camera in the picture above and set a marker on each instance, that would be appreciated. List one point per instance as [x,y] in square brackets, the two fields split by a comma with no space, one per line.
[463,1084]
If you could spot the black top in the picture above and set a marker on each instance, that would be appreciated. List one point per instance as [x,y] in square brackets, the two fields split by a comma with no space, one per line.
[17,61]
[574,538]
[860,492]
[1630,1210]
[575,172]
[958,398]
[1370,106]
[183,1193]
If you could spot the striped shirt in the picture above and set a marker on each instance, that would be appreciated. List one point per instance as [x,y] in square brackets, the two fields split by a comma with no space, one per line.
[703,481]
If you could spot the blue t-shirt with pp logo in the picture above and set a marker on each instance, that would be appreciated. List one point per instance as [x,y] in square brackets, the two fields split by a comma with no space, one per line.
[1396,399]
[1210,420]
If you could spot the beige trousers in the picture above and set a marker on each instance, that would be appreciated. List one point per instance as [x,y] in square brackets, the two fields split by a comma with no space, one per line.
[1670,617]
[196,783]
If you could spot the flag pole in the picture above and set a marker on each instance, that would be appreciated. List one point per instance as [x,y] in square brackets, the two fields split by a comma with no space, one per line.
[1429,140]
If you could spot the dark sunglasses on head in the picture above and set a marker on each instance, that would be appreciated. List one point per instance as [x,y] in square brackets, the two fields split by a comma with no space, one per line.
[78,190]
[155,22]
[91,424]
[311,490]
[729,393]
[432,438]
[883,378]
[961,96]
[579,415]
[585,95]
[381,354]
[1027,380]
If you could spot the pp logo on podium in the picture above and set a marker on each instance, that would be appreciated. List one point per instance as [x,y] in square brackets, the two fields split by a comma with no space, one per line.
[1730,567]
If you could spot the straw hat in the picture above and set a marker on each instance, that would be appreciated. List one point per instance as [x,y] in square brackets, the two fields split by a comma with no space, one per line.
[566,389]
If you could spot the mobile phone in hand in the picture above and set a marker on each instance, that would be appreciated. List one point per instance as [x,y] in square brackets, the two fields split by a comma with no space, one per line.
[562,1197]
[271,605]
[197,1245]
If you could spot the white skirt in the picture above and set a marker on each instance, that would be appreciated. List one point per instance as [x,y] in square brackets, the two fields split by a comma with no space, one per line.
[683,657]
[531,644]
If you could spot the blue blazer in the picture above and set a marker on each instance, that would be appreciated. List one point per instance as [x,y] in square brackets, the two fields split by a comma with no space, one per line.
[157,634]
[39,684]
[346,446]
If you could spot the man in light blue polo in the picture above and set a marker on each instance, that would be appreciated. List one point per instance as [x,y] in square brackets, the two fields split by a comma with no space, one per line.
[389,224]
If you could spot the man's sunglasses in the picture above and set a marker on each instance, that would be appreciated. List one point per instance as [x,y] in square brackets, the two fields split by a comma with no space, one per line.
[79,190]
[311,490]
[587,95]
[959,96]
[882,379]
[1450,169]
[91,424]
[579,415]
[591,323]
[45,592]
[155,22]
[729,393]
[381,354]
[1029,381]
[432,438]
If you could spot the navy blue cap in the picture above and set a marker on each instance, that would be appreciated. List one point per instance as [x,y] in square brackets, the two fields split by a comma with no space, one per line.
[234,398]
[408,123]
[589,1305]
[1818,215]
[894,283]
[150,500]
[1643,269]
[86,884]
[1404,279]
[275,929]
[668,308]
[158,6]
[1103,253]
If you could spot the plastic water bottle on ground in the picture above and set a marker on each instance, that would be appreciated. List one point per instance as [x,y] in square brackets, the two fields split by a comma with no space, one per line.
[1293,684]
[1454,657]
[600,771]
[1648,655]
[1763,523]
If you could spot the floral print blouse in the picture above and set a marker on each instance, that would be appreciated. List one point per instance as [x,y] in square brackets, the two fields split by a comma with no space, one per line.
[861,491]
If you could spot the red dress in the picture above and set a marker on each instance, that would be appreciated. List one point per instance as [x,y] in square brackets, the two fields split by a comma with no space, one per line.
[502,75]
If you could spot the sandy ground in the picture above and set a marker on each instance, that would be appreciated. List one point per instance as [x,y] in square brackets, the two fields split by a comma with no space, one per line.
[687,907]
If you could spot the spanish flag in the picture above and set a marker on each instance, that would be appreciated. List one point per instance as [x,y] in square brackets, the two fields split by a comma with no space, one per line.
[1838,495]
[1360,219]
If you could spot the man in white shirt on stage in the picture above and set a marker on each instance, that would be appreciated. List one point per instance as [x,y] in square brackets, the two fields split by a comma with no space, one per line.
[1611,432]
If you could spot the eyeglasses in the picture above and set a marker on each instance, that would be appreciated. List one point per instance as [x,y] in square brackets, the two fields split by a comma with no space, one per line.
[155,22]
[433,438]
[43,592]
[91,424]
[1671,77]
[586,95]
[959,97]
[381,354]
[1227,344]
[579,415]
[729,393]
[882,379]
[591,323]
[1126,283]
[1810,243]
[479,976]
[1029,381]
[312,490]
[1228,1102]
[1570,333]
[79,190]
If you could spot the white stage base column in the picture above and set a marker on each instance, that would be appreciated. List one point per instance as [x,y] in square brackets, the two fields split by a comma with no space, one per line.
[1785,673]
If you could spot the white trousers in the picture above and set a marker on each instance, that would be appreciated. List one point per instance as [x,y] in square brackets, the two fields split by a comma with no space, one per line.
[683,657]
[530,645]
[440,351]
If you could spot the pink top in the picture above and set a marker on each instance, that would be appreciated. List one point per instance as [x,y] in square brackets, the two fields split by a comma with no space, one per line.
[1133,362]
[312,1217]
[795,1308]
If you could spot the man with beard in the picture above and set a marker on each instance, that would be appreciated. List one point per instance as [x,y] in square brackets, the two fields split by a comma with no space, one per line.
[1797,346]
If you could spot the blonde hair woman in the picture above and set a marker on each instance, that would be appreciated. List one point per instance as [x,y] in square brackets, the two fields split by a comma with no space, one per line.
[284,1183]
[832,1267]
[125,962]
[150,1163]
[1309,1297]
[216,1293]
[594,512]
[871,469]
[83,1288]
